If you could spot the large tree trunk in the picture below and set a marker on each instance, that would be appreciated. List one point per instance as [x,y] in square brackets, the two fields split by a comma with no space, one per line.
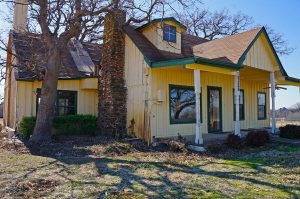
[43,127]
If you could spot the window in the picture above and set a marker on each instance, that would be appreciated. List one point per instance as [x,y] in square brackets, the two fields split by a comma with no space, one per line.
[66,102]
[242,105]
[261,103]
[169,33]
[182,105]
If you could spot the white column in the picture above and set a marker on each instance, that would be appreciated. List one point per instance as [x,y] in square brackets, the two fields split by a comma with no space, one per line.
[197,83]
[272,80]
[237,130]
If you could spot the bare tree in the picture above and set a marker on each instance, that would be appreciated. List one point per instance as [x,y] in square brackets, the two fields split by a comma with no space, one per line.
[280,44]
[295,108]
[213,25]
[58,21]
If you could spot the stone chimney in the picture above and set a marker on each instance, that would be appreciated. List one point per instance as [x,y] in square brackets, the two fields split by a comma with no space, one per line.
[20,15]
[112,90]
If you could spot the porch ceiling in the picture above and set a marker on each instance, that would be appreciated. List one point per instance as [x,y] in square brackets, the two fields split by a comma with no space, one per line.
[209,68]
[254,74]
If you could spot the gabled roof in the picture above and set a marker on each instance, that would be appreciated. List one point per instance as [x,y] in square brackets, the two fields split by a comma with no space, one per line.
[160,20]
[229,49]
[29,47]
[153,54]
[228,52]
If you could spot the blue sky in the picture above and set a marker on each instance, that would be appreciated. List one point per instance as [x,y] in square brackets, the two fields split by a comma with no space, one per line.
[284,17]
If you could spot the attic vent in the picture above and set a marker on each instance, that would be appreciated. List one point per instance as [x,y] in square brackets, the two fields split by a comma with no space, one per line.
[81,58]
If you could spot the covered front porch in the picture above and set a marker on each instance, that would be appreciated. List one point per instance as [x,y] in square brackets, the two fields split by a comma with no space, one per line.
[265,98]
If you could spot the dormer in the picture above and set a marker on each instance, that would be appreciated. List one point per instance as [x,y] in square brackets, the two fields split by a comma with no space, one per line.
[164,33]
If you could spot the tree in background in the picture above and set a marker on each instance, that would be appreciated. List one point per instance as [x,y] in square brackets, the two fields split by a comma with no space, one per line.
[213,25]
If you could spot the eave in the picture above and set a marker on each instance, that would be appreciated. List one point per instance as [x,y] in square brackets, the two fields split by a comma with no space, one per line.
[192,60]
[161,20]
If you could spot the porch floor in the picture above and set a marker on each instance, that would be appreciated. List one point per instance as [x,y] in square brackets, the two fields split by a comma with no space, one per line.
[209,138]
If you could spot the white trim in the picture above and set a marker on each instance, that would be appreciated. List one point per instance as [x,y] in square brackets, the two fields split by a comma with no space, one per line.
[237,128]
[272,80]
[197,84]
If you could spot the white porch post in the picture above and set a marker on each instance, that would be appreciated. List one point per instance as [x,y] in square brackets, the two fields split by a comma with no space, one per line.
[237,130]
[272,80]
[197,83]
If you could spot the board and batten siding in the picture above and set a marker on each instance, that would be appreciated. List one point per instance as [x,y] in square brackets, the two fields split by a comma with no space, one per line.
[154,33]
[10,102]
[137,75]
[261,56]
[87,98]
[160,117]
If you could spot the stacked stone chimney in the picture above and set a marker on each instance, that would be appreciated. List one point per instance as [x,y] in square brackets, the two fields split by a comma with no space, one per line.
[112,89]
[20,15]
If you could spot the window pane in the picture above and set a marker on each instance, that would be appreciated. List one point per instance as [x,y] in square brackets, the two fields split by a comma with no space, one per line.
[182,104]
[242,97]
[173,37]
[169,33]
[241,107]
[261,112]
[65,103]
[261,99]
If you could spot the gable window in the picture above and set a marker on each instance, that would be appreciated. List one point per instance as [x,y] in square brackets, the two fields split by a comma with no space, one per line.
[169,33]
[261,103]
[183,105]
[241,107]
[66,102]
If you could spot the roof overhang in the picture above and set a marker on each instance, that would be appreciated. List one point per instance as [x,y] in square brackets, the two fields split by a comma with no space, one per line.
[161,20]
[289,81]
[194,61]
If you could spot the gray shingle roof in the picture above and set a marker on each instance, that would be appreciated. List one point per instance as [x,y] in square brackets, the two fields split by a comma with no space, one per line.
[31,51]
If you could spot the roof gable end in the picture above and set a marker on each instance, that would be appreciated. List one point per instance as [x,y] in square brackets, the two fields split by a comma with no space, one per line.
[260,34]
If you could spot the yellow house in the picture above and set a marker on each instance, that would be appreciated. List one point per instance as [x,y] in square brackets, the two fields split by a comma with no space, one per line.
[77,85]
[181,84]
[176,83]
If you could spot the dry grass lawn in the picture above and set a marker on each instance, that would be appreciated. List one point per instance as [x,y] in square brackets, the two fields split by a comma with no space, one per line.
[100,168]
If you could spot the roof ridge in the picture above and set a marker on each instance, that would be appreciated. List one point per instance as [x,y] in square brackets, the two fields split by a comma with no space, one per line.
[238,34]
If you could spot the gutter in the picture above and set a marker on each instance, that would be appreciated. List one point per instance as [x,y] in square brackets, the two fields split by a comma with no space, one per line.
[60,78]
[292,79]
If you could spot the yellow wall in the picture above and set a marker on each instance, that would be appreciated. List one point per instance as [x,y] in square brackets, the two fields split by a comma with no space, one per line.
[154,33]
[10,104]
[137,83]
[261,56]
[87,99]
[160,119]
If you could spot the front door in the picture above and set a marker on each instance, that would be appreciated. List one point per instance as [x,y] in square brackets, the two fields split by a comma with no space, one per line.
[214,102]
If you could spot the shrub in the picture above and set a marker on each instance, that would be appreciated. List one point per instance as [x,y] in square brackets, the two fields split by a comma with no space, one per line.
[27,126]
[257,138]
[290,131]
[75,125]
[64,125]
[234,141]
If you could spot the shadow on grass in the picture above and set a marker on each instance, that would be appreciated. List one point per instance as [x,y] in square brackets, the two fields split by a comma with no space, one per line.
[77,153]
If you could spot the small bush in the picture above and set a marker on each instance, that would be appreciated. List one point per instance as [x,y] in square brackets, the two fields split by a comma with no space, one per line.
[27,126]
[75,125]
[234,141]
[63,125]
[290,131]
[257,138]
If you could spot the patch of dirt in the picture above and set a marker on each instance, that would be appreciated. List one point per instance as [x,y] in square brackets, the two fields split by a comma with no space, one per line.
[35,188]
[125,194]
[117,149]
[14,145]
